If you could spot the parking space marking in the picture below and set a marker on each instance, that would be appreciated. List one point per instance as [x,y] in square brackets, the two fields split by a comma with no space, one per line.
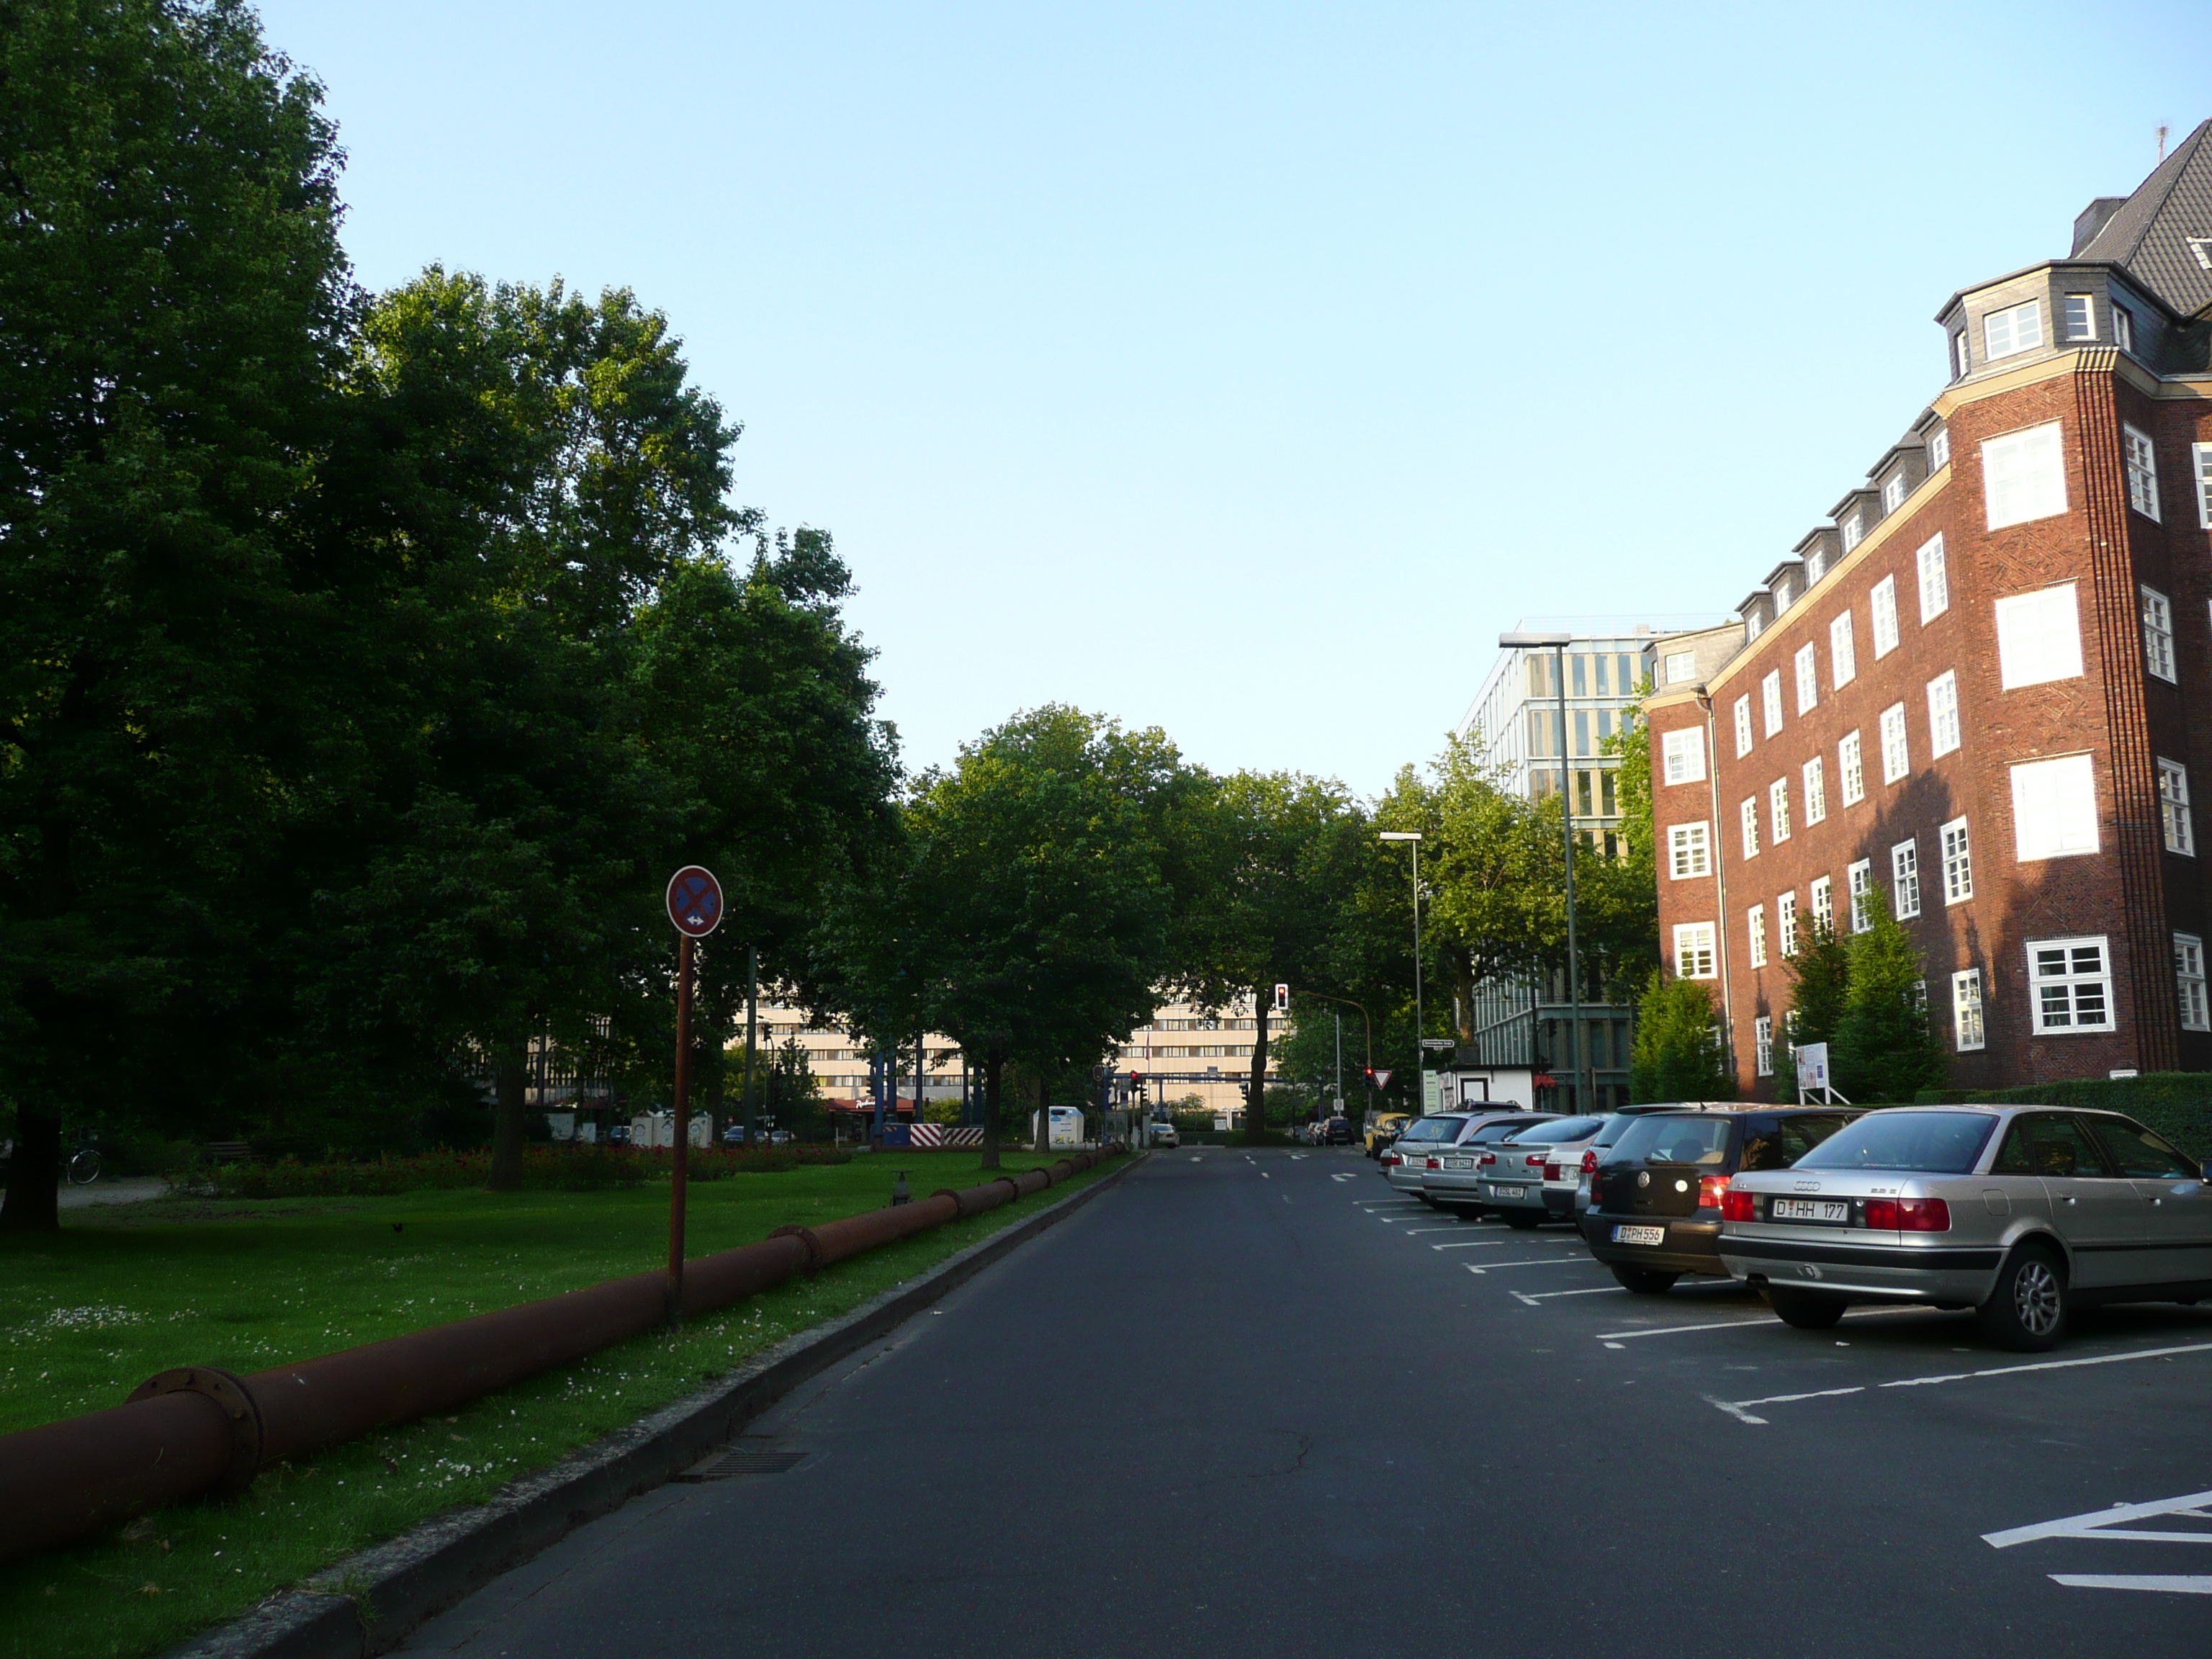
[2102,1523]
[1545,1296]
[1480,1245]
[2173,1584]
[1534,1261]
[1616,1337]
[1414,1232]
[1345,1175]
[1736,1408]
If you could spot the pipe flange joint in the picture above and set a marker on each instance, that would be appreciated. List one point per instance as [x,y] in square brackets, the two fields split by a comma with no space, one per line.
[805,1236]
[237,1406]
[958,1209]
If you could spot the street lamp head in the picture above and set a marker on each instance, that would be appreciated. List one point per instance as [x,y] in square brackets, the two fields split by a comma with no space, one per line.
[1544,641]
[1400,835]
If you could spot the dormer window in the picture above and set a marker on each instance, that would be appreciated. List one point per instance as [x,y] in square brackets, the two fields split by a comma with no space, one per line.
[1816,565]
[1939,449]
[1753,626]
[1958,364]
[1854,532]
[2081,317]
[2016,329]
[1893,491]
[2124,328]
[1782,595]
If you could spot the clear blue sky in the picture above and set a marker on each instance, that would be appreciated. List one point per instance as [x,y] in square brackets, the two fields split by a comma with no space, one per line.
[1244,369]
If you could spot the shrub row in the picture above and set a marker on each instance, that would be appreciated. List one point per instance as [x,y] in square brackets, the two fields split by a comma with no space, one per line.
[2177,1104]
[564,1168]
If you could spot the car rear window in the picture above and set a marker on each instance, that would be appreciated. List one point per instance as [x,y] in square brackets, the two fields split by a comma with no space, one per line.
[1942,1143]
[1504,1128]
[1433,1128]
[1674,1140]
[1776,1143]
[1567,1129]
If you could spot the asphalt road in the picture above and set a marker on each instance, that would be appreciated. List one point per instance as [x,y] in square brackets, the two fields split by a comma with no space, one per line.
[1254,1405]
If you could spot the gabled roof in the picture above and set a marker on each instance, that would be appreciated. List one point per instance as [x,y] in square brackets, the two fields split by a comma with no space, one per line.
[2149,235]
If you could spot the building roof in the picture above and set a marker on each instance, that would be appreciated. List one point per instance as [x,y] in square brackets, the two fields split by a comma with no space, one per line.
[2150,235]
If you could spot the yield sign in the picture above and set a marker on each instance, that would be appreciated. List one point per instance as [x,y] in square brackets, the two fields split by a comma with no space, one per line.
[1383,1080]
[2116,1523]
[694,902]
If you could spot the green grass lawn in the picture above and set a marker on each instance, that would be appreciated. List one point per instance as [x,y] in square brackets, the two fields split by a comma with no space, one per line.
[123,1293]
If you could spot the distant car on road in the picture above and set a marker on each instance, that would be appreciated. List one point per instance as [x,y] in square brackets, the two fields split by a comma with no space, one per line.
[2021,1213]
[1162,1133]
[1654,1209]
[1381,1128]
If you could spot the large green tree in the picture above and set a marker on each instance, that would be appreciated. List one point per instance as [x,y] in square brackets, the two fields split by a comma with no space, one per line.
[172,302]
[1884,1046]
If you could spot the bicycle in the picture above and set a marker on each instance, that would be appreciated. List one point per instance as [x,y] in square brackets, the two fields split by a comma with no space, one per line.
[84,1165]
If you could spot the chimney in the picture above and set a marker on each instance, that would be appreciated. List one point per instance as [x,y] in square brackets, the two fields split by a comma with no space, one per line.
[2093,219]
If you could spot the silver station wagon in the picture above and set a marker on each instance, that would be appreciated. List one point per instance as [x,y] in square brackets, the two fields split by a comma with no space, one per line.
[2017,1212]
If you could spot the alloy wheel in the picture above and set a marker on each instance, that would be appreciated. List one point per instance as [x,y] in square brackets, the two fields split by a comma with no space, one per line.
[2035,1297]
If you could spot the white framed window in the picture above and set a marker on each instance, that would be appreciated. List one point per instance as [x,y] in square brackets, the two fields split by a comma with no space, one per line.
[1905,879]
[1850,773]
[2142,471]
[2189,982]
[1749,813]
[1808,664]
[1842,656]
[1680,667]
[1816,791]
[1939,449]
[1854,532]
[2054,808]
[1777,811]
[1754,920]
[2123,327]
[1689,850]
[1682,756]
[2200,463]
[1824,904]
[1859,877]
[2071,982]
[1762,1043]
[1893,491]
[1958,862]
[1785,923]
[1935,581]
[2014,330]
[2158,633]
[2024,476]
[1770,698]
[1742,727]
[1884,617]
[1693,950]
[1960,364]
[1943,713]
[2173,815]
[1896,760]
[2081,317]
[2038,637]
[1966,1010]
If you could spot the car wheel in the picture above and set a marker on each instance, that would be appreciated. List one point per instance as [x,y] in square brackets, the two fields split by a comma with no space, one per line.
[1808,1310]
[2026,1311]
[1426,1199]
[1521,1222]
[1646,1281]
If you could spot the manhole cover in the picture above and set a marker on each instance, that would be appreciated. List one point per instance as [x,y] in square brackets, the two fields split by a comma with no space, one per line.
[727,1465]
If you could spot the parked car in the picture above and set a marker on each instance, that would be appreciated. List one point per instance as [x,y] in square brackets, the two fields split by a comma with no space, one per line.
[618,1135]
[1531,1175]
[1655,1211]
[1381,1128]
[2021,1213]
[781,1138]
[1409,1154]
[1451,1178]
[1335,1131]
[1616,1125]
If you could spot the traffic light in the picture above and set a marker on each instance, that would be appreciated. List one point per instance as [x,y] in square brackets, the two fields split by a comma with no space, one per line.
[1282,998]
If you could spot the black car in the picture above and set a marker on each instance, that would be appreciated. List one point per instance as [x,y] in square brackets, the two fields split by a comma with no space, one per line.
[1335,1132]
[1655,1208]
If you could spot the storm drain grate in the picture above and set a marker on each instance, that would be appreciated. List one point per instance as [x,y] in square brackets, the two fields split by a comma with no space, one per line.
[727,1465]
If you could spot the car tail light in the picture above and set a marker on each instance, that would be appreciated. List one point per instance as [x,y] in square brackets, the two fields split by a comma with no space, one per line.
[1435,1163]
[1589,1162]
[1909,1215]
[1390,1158]
[1737,1206]
[1489,1158]
[1712,1189]
[1550,1172]
[1534,1160]
[1595,1179]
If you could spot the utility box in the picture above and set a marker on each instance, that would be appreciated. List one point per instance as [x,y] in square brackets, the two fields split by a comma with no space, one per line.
[1067,1127]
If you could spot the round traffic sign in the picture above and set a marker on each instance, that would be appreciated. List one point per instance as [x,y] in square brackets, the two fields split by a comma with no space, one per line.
[695,901]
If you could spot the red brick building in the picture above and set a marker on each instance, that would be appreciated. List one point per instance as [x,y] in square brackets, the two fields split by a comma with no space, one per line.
[1982,694]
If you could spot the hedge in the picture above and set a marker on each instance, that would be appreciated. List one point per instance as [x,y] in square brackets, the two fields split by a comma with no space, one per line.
[583,1167]
[2177,1104]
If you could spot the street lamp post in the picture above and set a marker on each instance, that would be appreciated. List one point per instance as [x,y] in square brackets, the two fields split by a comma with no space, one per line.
[1420,1076]
[1557,643]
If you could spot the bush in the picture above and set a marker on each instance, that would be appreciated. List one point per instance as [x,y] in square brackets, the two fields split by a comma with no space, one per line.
[575,1168]
[1678,1054]
[2177,1104]
[1884,1048]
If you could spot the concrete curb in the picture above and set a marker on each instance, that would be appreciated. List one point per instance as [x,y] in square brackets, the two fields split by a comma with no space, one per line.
[370,1602]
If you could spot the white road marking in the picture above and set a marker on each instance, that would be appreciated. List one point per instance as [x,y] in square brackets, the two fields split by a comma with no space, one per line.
[1342,1175]
[1538,1261]
[1545,1296]
[2098,1524]
[1478,1244]
[1677,1330]
[1415,1232]
[1730,1406]
[2173,1584]
[1736,1411]
[1264,1176]
[1295,1156]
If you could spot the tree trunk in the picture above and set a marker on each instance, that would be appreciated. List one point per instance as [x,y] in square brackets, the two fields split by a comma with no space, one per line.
[510,1069]
[1256,1107]
[1044,1112]
[34,1173]
[992,1067]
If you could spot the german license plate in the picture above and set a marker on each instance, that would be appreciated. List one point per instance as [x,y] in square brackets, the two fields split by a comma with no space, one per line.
[1508,1192]
[1639,1235]
[1808,1209]
[1458,1164]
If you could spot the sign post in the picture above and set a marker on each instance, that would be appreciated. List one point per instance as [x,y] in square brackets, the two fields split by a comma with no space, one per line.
[695,905]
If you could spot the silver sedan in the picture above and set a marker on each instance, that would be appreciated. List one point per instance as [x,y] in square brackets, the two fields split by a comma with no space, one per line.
[2018,1212]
